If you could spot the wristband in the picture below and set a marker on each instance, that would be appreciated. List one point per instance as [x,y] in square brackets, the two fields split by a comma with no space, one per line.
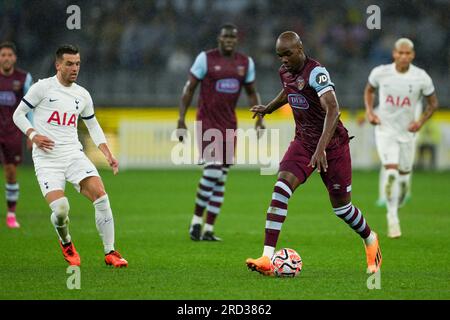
[32,134]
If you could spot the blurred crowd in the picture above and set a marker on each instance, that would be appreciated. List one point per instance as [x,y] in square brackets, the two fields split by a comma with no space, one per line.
[162,37]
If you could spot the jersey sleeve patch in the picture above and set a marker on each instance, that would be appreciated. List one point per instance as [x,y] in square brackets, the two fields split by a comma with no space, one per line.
[319,80]
[200,66]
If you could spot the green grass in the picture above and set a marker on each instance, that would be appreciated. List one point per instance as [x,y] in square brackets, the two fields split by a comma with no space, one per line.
[152,211]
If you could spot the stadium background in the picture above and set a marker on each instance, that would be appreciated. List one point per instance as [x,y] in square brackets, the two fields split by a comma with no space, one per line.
[135,60]
[136,56]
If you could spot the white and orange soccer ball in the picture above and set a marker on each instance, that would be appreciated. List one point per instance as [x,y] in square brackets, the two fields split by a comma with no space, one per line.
[287,263]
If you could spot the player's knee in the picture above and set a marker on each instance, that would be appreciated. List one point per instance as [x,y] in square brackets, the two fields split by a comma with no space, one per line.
[102,203]
[391,167]
[10,174]
[60,209]
[290,178]
[98,194]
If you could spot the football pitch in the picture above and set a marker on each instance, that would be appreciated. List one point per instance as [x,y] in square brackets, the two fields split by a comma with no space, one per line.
[152,211]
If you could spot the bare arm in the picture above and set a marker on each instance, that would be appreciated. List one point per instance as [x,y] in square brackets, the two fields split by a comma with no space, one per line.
[186,99]
[432,105]
[279,101]
[253,95]
[329,103]
[112,161]
[369,98]
[254,99]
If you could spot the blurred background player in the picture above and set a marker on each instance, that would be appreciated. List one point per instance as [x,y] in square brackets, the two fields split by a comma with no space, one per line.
[321,141]
[14,84]
[401,87]
[58,155]
[222,73]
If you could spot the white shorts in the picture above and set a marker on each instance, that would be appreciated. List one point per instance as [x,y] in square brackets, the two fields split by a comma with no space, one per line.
[391,151]
[53,174]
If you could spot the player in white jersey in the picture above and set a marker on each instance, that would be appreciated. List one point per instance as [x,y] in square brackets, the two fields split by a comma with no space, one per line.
[58,155]
[401,88]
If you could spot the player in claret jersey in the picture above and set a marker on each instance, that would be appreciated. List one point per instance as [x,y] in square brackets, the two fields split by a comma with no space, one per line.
[58,155]
[14,83]
[222,73]
[401,88]
[320,142]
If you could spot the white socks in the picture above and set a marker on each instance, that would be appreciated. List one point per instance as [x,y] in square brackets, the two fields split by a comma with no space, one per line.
[105,222]
[392,193]
[404,182]
[268,251]
[60,218]
[208,227]
[196,220]
[103,219]
[370,239]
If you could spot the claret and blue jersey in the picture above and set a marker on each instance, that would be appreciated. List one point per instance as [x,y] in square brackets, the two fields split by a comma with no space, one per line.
[303,90]
[221,79]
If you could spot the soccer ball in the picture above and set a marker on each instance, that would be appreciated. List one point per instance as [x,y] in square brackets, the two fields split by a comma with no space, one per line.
[287,263]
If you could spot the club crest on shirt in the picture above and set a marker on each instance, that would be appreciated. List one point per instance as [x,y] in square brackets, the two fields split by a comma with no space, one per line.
[300,83]
[16,85]
[241,71]
[217,68]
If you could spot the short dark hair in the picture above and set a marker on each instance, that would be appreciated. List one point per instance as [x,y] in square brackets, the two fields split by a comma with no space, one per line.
[228,26]
[66,48]
[9,45]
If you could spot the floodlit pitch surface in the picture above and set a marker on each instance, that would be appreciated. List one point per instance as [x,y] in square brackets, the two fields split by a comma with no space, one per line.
[152,211]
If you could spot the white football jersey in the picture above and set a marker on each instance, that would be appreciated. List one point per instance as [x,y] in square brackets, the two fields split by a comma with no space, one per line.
[400,98]
[56,111]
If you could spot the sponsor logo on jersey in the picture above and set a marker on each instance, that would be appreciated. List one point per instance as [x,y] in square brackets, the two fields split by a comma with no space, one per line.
[7,98]
[322,79]
[398,101]
[63,119]
[241,71]
[229,85]
[300,83]
[298,101]
[217,68]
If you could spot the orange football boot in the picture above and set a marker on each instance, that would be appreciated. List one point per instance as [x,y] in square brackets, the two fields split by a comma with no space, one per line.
[70,254]
[373,254]
[115,259]
[263,265]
